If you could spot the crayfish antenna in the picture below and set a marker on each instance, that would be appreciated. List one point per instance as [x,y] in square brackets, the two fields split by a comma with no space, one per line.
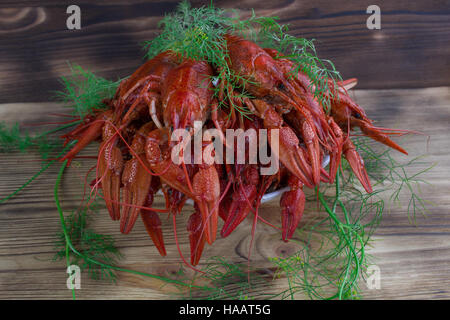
[324,176]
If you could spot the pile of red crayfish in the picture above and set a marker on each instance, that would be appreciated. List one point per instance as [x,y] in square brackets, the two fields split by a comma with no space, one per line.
[169,92]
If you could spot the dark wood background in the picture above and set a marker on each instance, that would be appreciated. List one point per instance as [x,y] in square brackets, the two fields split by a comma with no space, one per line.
[411,50]
[405,65]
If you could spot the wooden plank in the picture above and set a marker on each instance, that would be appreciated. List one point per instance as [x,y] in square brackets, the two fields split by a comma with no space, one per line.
[414,260]
[412,49]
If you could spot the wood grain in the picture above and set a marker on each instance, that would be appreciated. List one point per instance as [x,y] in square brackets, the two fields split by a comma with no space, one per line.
[411,50]
[414,259]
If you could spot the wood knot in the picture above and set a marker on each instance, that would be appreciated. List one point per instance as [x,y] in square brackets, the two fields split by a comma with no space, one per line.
[286,249]
[21,19]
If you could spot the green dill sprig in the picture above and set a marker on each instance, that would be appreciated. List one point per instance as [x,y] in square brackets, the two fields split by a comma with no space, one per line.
[42,170]
[12,139]
[198,33]
[193,33]
[227,280]
[333,269]
[84,92]
[330,264]
[91,245]
[393,176]
[340,238]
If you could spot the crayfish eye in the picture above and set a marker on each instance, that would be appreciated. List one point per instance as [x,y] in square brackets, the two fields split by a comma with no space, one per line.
[357,115]
[281,86]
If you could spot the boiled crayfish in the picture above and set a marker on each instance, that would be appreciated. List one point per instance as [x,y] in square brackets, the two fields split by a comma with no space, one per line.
[169,92]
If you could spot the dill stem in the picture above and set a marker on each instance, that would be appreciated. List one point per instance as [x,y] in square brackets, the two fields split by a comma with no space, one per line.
[35,176]
[336,201]
[68,125]
[357,261]
[346,215]
[49,163]
[341,226]
[27,183]
[75,251]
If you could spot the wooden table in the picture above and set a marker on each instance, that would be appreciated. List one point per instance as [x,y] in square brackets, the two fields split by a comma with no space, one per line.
[406,62]
[414,260]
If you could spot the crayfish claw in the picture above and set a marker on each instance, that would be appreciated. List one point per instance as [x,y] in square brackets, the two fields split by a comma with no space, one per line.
[197,237]
[324,176]
[336,153]
[292,203]
[136,181]
[152,224]
[312,146]
[110,165]
[292,156]
[240,206]
[206,187]
[242,199]
[357,164]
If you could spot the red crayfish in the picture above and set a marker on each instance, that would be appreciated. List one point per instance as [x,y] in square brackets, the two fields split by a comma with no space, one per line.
[169,92]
